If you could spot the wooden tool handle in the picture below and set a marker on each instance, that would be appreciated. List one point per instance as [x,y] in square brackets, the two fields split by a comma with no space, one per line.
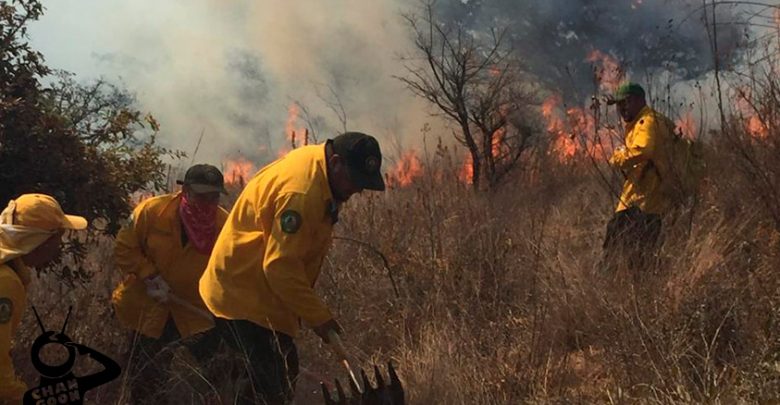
[337,345]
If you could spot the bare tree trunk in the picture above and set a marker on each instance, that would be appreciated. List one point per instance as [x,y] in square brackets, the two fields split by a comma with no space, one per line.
[476,166]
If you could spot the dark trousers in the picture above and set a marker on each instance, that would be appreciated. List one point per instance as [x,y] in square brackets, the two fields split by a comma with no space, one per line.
[150,361]
[633,238]
[269,360]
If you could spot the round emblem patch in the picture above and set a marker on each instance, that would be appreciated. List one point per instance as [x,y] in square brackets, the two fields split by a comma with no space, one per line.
[372,164]
[290,221]
[6,309]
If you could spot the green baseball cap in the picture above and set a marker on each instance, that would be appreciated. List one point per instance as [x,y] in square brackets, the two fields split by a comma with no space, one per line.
[628,89]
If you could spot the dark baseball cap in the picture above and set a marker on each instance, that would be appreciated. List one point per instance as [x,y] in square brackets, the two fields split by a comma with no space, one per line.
[364,159]
[204,179]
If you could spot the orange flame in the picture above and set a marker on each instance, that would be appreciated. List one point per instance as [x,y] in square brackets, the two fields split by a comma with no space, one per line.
[565,148]
[757,128]
[295,136]
[754,126]
[238,171]
[498,149]
[554,123]
[497,143]
[407,170]
[687,126]
[609,73]
[576,133]
[466,174]
[563,144]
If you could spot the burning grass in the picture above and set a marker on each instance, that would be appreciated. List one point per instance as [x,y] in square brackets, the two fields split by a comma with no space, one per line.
[500,300]
[497,298]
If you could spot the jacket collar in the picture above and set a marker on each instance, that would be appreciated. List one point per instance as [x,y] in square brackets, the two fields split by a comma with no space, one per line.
[332,209]
[639,116]
[322,171]
[169,216]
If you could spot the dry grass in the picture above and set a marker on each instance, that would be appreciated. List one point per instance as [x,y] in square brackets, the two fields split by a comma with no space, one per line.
[500,301]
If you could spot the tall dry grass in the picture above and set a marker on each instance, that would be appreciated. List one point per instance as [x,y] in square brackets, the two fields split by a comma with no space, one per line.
[497,298]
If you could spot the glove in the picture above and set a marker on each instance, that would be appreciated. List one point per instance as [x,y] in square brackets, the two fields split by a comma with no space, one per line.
[620,150]
[157,288]
[324,330]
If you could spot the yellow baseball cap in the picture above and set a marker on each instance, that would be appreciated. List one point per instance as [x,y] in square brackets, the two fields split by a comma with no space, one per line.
[44,212]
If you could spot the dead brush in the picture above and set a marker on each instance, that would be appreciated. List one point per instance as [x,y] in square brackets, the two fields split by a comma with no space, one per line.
[500,301]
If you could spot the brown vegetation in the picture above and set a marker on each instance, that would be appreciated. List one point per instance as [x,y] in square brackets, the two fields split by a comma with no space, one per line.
[499,300]
[496,297]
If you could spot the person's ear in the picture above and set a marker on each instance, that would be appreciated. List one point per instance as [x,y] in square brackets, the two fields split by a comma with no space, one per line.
[337,163]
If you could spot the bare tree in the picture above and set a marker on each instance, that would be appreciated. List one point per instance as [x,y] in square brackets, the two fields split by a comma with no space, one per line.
[474,81]
[334,103]
[315,122]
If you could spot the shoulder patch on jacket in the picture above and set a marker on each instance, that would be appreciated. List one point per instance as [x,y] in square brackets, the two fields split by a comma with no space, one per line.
[290,221]
[6,310]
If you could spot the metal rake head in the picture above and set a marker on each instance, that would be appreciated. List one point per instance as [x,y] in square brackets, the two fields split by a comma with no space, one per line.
[384,393]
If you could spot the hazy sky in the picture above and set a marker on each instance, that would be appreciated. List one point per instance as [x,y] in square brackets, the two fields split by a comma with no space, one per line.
[232,68]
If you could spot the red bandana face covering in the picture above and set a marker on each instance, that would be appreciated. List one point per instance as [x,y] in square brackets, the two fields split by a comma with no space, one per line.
[200,223]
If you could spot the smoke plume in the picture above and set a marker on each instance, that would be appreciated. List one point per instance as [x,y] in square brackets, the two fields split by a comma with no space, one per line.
[231,70]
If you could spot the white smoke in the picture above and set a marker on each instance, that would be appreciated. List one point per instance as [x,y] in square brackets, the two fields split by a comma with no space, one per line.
[232,69]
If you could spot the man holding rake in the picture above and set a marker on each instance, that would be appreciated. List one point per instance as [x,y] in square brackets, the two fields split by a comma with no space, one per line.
[259,280]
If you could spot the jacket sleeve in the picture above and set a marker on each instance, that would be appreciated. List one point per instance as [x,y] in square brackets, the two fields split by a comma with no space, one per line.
[128,252]
[11,297]
[284,263]
[640,148]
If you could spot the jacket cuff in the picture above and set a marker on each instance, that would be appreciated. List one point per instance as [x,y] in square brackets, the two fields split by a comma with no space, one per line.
[317,319]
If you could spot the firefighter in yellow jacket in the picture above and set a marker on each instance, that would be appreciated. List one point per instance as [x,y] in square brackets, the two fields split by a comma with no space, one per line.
[31,229]
[259,281]
[635,229]
[162,253]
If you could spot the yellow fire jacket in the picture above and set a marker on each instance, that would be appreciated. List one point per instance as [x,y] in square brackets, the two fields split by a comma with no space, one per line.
[13,300]
[643,162]
[151,244]
[268,255]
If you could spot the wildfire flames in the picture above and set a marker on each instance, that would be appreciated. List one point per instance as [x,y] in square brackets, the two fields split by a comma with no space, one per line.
[574,131]
[406,170]
[563,144]
[687,126]
[238,171]
[609,73]
[466,174]
[754,125]
[409,168]
[295,136]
